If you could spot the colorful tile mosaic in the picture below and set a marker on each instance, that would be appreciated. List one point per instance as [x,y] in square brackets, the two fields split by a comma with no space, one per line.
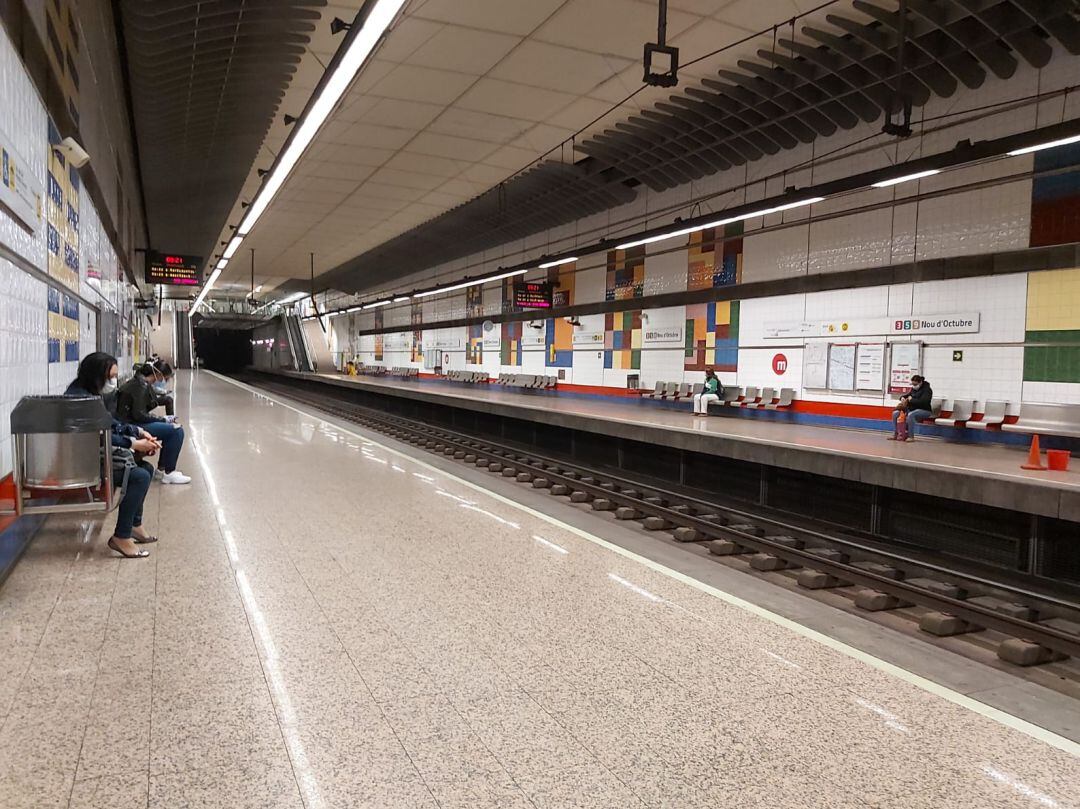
[622,340]
[712,336]
[715,259]
[559,335]
[1055,198]
[62,216]
[625,274]
[1053,319]
[380,340]
[510,350]
[416,319]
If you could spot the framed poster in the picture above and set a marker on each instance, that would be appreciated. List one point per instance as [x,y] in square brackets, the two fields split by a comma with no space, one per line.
[816,365]
[870,366]
[842,366]
[905,360]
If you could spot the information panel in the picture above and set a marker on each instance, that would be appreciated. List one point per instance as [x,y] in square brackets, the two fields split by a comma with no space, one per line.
[816,365]
[842,366]
[870,366]
[173,268]
[532,294]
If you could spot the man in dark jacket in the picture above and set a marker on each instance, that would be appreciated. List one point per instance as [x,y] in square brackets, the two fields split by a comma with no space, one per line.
[134,401]
[919,405]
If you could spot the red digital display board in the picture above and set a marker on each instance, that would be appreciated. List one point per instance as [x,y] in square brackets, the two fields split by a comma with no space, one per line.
[532,294]
[173,268]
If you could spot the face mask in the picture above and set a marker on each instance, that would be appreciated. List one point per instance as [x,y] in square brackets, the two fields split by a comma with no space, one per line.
[110,386]
[159,386]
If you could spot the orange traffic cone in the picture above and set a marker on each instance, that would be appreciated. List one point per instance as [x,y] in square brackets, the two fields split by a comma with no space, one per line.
[1034,456]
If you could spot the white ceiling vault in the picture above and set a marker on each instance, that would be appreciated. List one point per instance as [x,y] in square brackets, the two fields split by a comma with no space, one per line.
[461,95]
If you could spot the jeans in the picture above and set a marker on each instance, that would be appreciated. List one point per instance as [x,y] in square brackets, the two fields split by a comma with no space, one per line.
[701,402]
[913,417]
[172,441]
[129,513]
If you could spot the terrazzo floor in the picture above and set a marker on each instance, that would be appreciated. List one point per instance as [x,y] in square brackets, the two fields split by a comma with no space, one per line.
[326,623]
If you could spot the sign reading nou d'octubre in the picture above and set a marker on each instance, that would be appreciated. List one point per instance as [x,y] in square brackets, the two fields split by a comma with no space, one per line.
[873,326]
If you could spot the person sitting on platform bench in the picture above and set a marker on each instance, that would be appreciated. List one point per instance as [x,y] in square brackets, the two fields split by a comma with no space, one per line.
[134,401]
[918,405]
[711,393]
[97,377]
[162,394]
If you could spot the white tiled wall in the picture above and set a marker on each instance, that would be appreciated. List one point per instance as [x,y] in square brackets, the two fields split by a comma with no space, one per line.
[23,346]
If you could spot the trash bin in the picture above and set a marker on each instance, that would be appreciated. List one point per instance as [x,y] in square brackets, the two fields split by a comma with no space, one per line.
[58,441]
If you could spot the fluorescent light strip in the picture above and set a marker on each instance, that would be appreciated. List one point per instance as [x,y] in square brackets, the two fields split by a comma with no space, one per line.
[742,217]
[907,178]
[469,283]
[1051,145]
[557,262]
[293,298]
[221,264]
[359,49]
[374,305]
[232,247]
[402,298]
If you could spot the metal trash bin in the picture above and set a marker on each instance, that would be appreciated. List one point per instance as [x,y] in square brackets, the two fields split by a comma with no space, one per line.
[60,443]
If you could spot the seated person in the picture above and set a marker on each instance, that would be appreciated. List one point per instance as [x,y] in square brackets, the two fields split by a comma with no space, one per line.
[97,377]
[918,404]
[711,393]
[162,379]
[134,401]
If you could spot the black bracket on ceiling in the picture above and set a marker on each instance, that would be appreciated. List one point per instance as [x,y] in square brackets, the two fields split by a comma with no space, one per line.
[667,74]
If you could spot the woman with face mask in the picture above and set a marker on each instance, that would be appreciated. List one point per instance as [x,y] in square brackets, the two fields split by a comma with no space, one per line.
[97,377]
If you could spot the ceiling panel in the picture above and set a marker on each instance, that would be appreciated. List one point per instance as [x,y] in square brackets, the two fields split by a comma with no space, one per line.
[464,50]
[554,67]
[514,100]
[491,15]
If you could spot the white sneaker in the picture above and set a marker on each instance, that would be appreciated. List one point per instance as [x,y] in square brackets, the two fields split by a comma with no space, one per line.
[158,474]
[175,476]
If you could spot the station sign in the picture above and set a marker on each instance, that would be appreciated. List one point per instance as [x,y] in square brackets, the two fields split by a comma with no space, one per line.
[663,336]
[533,294]
[966,322]
[173,269]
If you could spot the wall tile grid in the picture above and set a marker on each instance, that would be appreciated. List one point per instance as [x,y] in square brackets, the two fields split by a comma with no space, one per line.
[994,363]
[23,347]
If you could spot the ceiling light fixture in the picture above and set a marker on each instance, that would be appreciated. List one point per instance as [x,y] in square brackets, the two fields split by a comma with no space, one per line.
[787,206]
[347,62]
[472,283]
[341,76]
[557,262]
[402,298]
[375,305]
[906,178]
[234,245]
[1039,147]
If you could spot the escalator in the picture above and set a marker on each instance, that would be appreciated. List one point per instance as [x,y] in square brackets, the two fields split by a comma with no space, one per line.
[302,356]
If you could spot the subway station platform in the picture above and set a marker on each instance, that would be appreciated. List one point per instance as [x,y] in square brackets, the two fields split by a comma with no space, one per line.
[329,621]
[985,474]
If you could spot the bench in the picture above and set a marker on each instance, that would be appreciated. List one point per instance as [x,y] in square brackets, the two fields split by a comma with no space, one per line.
[1046,419]
[993,416]
[961,411]
[787,396]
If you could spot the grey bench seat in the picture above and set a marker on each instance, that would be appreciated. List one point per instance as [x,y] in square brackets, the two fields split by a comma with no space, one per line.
[1046,419]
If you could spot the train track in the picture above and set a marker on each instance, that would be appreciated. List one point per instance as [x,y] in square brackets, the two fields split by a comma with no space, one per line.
[1024,628]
